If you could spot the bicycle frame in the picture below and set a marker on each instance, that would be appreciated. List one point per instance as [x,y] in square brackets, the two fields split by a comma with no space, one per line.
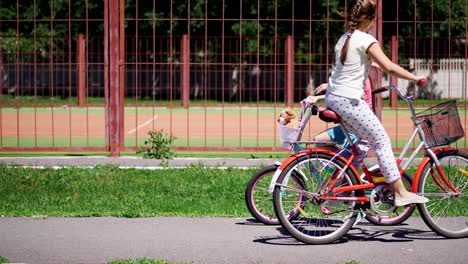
[372,178]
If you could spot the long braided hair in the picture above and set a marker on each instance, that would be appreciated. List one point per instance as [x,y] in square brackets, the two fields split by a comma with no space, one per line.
[358,11]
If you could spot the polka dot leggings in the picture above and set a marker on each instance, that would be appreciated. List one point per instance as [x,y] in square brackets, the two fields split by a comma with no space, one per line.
[360,120]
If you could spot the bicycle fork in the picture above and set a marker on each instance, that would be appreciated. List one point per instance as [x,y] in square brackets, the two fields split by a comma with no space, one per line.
[437,174]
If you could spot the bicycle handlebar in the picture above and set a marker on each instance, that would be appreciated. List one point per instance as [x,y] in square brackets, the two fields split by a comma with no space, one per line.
[400,92]
[380,90]
[306,104]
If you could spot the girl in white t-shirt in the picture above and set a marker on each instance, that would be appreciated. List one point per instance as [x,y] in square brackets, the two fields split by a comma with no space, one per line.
[354,53]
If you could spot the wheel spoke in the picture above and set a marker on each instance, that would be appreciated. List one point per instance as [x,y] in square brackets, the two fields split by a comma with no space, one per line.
[446,212]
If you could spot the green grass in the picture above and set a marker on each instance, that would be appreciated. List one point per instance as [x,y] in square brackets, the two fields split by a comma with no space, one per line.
[144,261]
[12,100]
[125,261]
[400,143]
[110,191]
[353,261]
[228,109]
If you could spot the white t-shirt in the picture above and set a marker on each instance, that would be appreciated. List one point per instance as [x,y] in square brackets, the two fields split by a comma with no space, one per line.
[348,80]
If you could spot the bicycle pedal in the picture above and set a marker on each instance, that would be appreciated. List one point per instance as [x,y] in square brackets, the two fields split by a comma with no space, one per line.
[325,210]
[361,214]
[301,211]
[463,171]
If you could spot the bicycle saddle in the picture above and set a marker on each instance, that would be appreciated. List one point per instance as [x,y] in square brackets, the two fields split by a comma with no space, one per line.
[329,116]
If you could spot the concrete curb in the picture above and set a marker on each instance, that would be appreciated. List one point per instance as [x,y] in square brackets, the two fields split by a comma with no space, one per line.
[134,162]
[138,162]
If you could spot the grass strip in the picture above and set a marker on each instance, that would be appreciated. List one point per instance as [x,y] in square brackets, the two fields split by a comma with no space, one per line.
[110,191]
[144,261]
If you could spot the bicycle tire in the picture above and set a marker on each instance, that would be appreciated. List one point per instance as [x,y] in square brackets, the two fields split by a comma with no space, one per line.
[318,222]
[258,200]
[446,214]
[392,215]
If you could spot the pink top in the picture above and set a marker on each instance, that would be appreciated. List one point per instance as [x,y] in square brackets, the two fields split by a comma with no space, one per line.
[368,93]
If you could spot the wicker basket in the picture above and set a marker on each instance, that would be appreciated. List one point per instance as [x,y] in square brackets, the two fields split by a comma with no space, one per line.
[288,135]
[441,124]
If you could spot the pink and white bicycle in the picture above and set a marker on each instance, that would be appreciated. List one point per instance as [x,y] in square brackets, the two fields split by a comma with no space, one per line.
[258,193]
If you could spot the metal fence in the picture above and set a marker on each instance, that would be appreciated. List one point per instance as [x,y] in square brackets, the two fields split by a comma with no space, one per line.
[97,76]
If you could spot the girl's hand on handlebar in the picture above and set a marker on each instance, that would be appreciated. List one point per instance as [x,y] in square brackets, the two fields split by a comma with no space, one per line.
[321,88]
[420,80]
[312,99]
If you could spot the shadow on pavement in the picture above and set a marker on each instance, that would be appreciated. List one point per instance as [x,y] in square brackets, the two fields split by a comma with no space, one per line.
[365,232]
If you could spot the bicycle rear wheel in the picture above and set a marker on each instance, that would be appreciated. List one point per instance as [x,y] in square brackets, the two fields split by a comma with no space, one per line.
[319,221]
[446,213]
[259,201]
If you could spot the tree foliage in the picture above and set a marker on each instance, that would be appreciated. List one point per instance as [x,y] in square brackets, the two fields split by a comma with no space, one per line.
[43,25]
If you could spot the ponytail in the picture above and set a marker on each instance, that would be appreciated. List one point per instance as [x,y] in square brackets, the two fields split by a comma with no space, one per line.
[344,50]
[357,12]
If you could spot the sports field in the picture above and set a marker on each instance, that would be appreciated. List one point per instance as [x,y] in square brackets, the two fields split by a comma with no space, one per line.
[233,127]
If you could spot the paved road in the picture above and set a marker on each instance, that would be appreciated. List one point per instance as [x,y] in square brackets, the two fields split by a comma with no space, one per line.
[214,240]
[205,240]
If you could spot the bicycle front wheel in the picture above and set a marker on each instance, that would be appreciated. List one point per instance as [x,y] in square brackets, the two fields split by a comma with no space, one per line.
[319,219]
[446,213]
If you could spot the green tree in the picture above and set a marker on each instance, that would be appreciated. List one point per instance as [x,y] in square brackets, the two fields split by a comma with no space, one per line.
[54,23]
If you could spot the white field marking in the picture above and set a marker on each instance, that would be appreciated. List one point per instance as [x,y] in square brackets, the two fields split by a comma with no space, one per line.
[143,125]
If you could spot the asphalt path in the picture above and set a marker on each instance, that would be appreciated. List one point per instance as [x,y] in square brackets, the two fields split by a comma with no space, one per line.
[205,240]
[214,240]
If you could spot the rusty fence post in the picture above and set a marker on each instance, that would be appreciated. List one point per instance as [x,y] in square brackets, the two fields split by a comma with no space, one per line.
[81,71]
[122,84]
[393,80]
[289,71]
[106,74]
[114,86]
[1,80]
[185,70]
[375,75]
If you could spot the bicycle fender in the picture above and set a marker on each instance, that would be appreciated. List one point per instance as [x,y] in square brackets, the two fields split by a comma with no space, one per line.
[423,163]
[296,155]
[281,167]
[307,152]
[333,151]
[274,179]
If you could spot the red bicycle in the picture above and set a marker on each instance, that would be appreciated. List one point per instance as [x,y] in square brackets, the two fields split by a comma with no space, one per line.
[333,198]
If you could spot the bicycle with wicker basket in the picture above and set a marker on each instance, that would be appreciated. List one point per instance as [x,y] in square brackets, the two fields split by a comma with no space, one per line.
[334,197]
[259,189]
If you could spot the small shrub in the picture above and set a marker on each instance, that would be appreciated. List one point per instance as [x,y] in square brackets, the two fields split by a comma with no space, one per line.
[353,261]
[3,260]
[159,146]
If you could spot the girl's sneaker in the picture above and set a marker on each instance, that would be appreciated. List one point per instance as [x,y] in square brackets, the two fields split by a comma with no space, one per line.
[412,198]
